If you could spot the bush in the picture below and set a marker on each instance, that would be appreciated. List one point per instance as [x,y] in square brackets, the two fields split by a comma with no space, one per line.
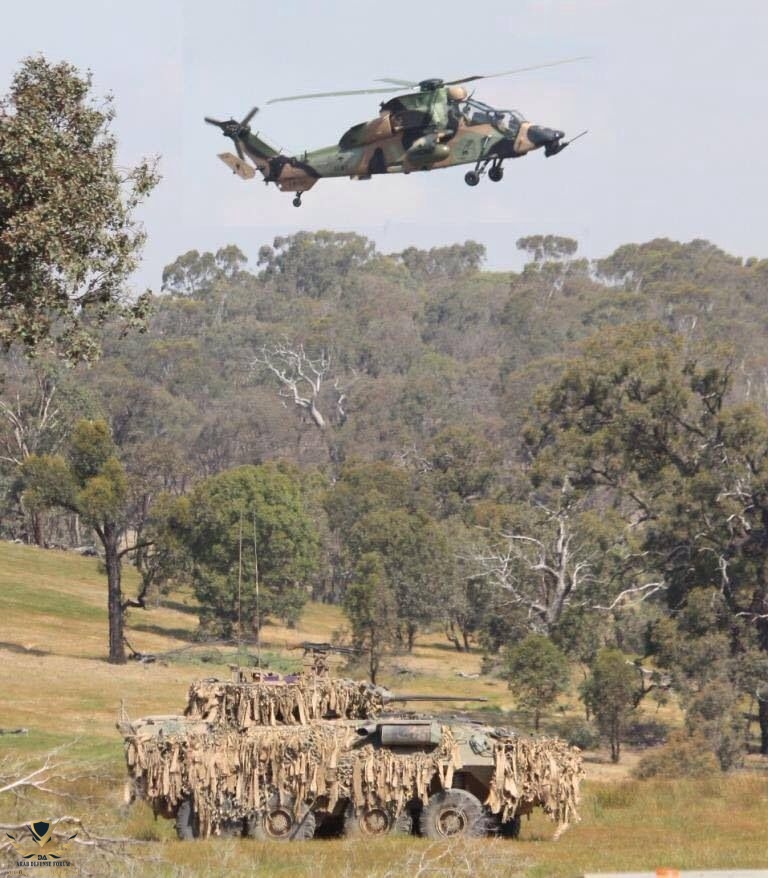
[645,733]
[683,755]
[714,714]
[490,665]
[579,733]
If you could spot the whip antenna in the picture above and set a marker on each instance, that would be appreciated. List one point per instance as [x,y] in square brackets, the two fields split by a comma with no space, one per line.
[256,578]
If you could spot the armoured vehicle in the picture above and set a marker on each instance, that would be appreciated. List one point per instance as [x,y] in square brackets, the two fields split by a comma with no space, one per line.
[279,758]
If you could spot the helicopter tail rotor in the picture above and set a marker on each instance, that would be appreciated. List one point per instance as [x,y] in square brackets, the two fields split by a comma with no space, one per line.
[247,145]
[234,129]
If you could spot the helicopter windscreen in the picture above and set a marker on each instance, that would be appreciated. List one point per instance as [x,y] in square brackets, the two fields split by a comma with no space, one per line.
[478,113]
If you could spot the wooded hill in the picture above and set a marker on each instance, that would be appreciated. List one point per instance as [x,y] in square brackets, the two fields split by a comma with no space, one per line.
[408,344]
[576,451]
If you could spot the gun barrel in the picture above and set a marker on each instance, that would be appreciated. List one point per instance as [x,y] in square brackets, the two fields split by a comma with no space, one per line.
[388,699]
[324,648]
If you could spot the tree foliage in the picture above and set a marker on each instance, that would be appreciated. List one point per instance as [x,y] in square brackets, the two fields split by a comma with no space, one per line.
[443,262]
[547,247]
[536,672]
[371,608]
[194,273]
[68,236]
[313,264]
[91,482]
[612,692]
[250,545]
[641,418]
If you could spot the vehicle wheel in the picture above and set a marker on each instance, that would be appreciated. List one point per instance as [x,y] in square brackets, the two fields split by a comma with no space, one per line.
[452,814]
[369,822]
[297,201]
[279,823]
[510,828]
[187,825]
[496,174]
[471,178]
[232,829]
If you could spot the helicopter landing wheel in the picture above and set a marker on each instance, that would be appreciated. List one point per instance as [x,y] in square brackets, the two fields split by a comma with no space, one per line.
[297,200]
[471,178]
[496,173]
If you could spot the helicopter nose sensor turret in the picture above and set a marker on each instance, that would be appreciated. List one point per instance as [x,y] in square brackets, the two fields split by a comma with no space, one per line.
[541,136]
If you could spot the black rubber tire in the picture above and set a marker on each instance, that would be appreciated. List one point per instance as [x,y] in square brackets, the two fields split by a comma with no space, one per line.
[510,828]
[471,178]
[232,829]
[495,174]
[297,202]
[452,814]
[280,824]
[187,825]
[375,822]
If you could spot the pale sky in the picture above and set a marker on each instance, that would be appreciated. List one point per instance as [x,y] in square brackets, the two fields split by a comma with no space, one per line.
[674,99]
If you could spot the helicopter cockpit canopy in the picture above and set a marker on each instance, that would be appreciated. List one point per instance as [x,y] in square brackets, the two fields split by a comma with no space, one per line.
[478,113]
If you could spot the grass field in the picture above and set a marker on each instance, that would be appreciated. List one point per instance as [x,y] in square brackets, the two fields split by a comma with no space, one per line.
[55,683]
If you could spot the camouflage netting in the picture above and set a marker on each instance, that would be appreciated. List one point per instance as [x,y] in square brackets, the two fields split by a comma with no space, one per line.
[230,775]
[242,705]
[531,773]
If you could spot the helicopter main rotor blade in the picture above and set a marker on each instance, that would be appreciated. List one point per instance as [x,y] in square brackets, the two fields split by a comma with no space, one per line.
[517,70]
[215,122]
[405,83]
[333,94]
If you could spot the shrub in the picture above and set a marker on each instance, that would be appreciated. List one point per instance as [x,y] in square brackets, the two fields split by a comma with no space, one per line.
[683,755]
[714,714]
[579,733]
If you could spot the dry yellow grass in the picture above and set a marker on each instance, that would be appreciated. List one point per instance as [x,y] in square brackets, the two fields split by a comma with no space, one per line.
[55,682]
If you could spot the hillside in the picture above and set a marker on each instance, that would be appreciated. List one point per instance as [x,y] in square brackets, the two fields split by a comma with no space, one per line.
[52,622]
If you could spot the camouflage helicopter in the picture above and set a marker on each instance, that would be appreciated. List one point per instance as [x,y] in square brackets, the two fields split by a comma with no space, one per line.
[437,124]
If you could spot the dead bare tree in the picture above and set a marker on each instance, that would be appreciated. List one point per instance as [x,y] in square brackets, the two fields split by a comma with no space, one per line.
[559,566]
[32,423]
[541,573]
[29,421]
[301,377]
[51,778]
[18,780]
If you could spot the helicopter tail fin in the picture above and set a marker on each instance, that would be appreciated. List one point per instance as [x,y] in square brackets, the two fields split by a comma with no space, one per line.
[237,166]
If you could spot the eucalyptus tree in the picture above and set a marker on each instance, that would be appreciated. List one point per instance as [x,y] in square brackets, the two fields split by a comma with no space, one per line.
[69,238]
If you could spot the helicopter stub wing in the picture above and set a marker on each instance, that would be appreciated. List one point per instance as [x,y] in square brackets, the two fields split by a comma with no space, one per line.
[237,165]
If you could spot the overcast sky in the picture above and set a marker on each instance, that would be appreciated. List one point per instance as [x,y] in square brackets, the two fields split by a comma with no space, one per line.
[674,99]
